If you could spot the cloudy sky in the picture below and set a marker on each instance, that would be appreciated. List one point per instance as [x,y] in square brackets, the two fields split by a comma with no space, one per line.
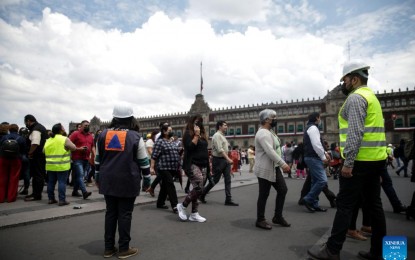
[70,60]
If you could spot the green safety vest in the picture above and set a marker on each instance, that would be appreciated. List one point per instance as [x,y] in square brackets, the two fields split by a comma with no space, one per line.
[57,157]
[373,146]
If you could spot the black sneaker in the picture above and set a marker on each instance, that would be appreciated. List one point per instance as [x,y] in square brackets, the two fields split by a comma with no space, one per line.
[231,203]
[86,194]
[24,192]
[76,194]
[280,221]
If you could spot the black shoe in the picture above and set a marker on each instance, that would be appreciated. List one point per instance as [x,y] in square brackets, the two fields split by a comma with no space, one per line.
[300,202]
[86,194]
[231,203]
[24,192]
[322,252]
[398,173]
[368,255]
[186,190]
[333,203]
[52,201]
[202,199]
[401,208]
[309,207]
[162,206]
[319,209]
[76,194]
[29,196]
[280,221]
[63,203]
[32,198]
[263,224]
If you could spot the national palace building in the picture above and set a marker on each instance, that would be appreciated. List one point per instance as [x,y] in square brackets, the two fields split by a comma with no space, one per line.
[243,120]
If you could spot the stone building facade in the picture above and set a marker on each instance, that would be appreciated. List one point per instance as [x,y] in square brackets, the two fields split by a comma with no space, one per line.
[398,112]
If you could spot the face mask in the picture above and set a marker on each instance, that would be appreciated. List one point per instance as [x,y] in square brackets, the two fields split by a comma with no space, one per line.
[170,134]
[199,124]
[86,129]
[273,122]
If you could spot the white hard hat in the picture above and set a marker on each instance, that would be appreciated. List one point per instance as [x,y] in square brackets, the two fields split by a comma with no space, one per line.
[354,66]
[122,112]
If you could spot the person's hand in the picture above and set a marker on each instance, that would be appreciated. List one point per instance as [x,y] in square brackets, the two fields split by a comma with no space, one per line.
[347,172]
[152,171]
[197,130]
[285,168]
[230,161]
[325,162]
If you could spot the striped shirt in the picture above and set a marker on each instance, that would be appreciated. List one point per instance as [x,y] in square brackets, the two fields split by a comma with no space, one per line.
[354,112]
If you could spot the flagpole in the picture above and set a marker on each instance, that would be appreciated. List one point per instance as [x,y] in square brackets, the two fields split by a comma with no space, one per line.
[201,78]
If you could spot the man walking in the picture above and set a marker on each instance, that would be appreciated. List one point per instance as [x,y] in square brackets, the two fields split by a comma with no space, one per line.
[80,158]
[315,157]
[37,161]
[363,146]
[221,163]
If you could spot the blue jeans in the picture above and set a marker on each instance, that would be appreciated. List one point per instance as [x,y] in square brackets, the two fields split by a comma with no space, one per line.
[318,179]
[78,172]
[61,178]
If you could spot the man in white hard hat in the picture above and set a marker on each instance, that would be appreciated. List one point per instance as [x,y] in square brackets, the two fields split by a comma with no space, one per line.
[363,148]
[121,153]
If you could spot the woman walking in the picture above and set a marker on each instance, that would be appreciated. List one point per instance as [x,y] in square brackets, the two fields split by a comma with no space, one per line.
[166,155]
[195,165]
[268,168]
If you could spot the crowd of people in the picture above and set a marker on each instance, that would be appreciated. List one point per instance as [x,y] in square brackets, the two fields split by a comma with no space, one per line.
[122,162]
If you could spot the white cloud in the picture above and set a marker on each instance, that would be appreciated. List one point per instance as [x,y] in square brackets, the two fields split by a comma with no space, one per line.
[61,70]
[233,11]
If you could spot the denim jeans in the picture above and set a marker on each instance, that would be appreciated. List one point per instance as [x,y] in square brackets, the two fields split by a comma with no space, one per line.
[318,179]
[61,178]
[119,211]
[78,173]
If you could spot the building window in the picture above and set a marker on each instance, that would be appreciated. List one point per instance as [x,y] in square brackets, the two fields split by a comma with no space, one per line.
[179,133]
[290,128]
[280,129]
[212,132]
[398,122]
[382,103]
[321,126]
[412,101]
[403,102]
[231,131]
[305,110]
[396,102]
[300,128]
[246,144]
[251,130]
[412,121]
[238,131]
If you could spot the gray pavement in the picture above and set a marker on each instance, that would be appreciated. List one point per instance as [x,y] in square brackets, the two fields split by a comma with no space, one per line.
[36,230]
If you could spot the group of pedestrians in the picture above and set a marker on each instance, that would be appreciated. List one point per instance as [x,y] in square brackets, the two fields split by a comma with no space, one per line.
[44,156]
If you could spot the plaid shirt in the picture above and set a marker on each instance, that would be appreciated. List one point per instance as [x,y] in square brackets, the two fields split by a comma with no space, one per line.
[166,155]
[354,112]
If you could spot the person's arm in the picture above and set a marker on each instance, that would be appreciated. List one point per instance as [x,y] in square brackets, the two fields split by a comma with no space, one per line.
[314,135]
[35,142]
[70,146]
[267,143]
[155,155]
[355,111]
[142,159]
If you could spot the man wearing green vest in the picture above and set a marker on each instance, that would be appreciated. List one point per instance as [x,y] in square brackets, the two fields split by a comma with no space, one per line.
[363,148]
[57,150]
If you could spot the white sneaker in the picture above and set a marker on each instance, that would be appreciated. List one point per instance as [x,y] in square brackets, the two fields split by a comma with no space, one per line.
[196,217]
[182,211]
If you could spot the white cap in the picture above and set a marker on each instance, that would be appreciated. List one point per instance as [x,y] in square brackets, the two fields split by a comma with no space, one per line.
[354,66]
[122,112]
[390,145]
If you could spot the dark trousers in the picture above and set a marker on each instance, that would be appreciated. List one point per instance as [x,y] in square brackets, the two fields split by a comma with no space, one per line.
[365,181]
[365,215]
[264,188]
[167,188]
[220,166]
[389,190]
[37,166]
[119,211]
[307,186]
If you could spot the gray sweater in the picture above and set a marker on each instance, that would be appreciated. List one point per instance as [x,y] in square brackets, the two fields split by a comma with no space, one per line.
[267,154]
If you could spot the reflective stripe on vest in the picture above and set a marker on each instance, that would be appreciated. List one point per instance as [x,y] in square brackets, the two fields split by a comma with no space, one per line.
[57,158]
[373,145]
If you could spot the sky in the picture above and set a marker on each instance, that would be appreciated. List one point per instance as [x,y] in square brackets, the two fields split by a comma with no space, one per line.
[68,61]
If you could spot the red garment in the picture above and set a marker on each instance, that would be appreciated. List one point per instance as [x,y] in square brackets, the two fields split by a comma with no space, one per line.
[81,139]
[235,159]
[9,178]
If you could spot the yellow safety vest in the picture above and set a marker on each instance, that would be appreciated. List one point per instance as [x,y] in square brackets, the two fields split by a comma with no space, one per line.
[57,158]
[373,146]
